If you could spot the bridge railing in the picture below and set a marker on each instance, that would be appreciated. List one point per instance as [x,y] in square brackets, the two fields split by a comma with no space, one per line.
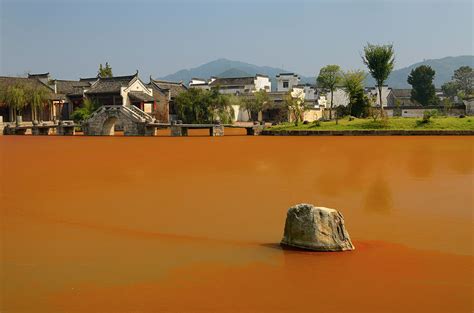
[131,111]
[140,113]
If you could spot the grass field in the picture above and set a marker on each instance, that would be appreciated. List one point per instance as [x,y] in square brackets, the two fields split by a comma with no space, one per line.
[395,123]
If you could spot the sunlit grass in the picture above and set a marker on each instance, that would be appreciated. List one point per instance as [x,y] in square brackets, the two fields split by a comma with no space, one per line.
[395,123]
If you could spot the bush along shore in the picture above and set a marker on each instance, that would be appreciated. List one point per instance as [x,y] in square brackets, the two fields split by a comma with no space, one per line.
[388,126]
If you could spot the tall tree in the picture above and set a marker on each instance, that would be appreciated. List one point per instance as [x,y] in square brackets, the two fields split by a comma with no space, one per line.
[464,77]
[380,60]
[257,103]
[423,90]
[329,78]
[220,106]
[38,98]
[201,106]
[353,84]
[105,71]
[15,97]
[450,89]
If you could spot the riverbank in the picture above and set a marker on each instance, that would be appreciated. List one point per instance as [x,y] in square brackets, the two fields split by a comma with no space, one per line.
[439,126]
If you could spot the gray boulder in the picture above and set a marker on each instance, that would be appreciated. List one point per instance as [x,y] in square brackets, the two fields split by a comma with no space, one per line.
[316,228]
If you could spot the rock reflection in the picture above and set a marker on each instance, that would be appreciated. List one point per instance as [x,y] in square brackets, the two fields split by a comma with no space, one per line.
[378,197]
[420,162]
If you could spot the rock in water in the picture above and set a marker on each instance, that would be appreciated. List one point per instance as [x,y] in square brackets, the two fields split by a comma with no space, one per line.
[316,228]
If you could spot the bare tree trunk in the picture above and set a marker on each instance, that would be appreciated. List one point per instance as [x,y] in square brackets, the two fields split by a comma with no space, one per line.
[381,105]
[10,111]
[330,109]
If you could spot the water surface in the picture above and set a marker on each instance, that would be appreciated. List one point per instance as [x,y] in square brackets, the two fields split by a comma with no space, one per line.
[192,224]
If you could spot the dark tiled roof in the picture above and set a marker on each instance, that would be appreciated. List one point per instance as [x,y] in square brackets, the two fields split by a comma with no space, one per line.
[286,74]
[306,85]
[110,84]
[175,88]
[140,96]
[57,96]
[89,79]
[402,93]
[157,91]
[71,87]
[233,81]
[6,82]
[41,75]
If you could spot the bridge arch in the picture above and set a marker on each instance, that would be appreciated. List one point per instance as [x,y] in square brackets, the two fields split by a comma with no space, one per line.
[103,121]
[108,129]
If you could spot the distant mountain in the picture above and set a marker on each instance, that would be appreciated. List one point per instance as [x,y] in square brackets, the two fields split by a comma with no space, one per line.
[234,72]
[398,79]
[444,69]
[223,68]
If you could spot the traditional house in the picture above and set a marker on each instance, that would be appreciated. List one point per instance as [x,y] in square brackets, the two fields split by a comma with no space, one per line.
[122,90]
[400,97]
[242,85]
[166,92]
[373,93]
[48,112]
[286,81]
[399,103]
[200,83]
[73,92]
[339,98]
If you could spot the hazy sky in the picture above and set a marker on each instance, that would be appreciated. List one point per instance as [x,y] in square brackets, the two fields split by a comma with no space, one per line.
[70,38]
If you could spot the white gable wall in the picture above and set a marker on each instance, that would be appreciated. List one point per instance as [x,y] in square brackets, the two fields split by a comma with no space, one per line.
[262,82]
[137,85]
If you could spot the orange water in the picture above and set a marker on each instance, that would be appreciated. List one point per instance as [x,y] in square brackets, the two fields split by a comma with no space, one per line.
[193,224]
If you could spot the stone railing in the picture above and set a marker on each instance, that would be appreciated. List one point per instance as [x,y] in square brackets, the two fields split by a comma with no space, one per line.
[140,113]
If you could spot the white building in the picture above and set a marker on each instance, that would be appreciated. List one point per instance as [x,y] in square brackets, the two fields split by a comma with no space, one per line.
[286,81]
[310,91]
[373,93]
[199,83]
[242,85]
[340,98]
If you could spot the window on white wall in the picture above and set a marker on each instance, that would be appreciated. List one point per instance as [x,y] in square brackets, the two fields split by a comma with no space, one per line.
[285,84]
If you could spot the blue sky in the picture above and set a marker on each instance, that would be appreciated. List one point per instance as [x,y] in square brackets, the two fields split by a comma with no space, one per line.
[70,38]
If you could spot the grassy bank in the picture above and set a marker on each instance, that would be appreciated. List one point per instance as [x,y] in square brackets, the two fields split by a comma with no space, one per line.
[396,123]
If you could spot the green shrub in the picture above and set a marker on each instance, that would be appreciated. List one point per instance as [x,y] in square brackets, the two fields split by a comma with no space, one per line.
[428,114]
[317,123]
[83,113]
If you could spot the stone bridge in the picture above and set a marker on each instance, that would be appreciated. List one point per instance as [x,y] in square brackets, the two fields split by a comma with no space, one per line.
[134,121]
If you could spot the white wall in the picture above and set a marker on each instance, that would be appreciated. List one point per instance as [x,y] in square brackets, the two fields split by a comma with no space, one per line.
[310,93]
[322,101]
[312,115]
[262,82]
[374,92]
[197,81]
[340,97]
[135,86]
[292,80]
